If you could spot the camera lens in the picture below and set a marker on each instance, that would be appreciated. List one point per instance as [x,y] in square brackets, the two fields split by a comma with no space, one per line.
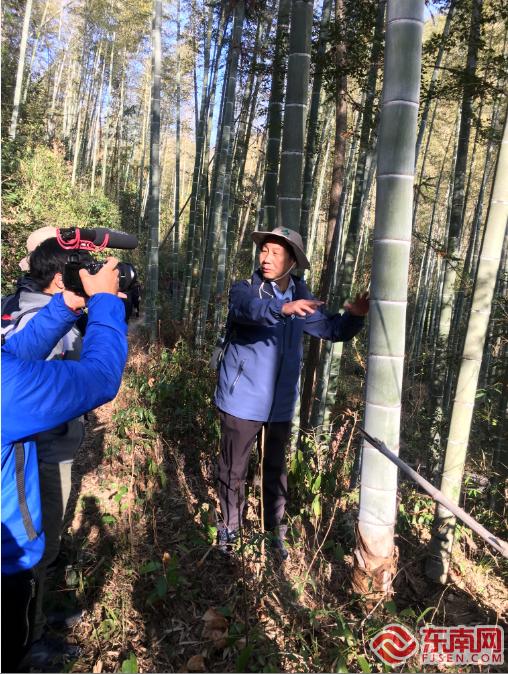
[127,275]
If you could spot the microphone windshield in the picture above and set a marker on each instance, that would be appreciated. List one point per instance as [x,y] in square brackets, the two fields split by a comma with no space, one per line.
[95,239]
[116,239]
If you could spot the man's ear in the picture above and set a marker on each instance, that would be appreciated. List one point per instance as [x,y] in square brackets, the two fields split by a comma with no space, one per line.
[58,279]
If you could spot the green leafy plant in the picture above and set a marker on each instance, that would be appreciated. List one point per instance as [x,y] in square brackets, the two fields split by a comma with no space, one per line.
[130,665]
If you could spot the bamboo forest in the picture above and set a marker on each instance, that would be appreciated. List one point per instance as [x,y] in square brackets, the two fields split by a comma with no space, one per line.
[305,466]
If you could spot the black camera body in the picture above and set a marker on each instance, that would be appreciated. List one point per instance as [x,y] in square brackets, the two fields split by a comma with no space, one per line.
[72,280]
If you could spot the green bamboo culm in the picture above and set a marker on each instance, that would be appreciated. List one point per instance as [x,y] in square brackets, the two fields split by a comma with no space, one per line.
[295,116]
[441,543]
[154,194]
[274,120]
[375,555]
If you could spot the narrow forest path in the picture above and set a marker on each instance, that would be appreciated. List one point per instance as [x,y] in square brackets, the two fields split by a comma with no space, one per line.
[157,597]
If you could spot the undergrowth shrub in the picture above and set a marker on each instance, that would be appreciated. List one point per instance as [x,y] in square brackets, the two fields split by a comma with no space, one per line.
[37,192]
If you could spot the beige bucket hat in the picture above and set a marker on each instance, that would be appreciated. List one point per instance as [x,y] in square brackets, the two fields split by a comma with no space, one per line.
[291,237]
[34,240]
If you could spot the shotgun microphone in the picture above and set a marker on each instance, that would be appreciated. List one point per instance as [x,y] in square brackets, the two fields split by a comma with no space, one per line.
[98,238]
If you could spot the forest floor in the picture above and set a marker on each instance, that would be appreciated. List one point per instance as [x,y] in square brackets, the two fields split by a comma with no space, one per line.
[159,597]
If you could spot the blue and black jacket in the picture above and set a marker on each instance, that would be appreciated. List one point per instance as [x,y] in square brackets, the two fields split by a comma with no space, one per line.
[259,373]
[38,395]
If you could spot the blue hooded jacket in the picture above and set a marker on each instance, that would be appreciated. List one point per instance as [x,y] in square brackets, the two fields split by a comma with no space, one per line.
[38,395]
[258,376]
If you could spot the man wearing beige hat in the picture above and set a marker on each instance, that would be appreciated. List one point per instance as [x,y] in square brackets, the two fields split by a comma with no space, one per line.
[36,238]
[258,377]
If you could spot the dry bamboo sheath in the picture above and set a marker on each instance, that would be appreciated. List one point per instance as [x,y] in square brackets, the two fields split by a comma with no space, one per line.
[498,544]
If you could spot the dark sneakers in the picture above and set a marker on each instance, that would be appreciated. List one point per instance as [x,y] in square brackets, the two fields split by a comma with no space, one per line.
[64,620]
[47,651]
[226,540]
[277,542]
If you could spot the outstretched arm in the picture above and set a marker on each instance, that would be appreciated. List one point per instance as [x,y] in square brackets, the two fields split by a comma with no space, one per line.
[339,327]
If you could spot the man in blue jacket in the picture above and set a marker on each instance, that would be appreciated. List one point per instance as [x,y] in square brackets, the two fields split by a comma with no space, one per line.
[258,376]
[38,395]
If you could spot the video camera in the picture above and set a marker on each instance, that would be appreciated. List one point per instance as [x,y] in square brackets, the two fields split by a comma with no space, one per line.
[94,240]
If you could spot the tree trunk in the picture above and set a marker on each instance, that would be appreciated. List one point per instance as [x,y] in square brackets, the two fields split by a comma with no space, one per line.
[375,556]
[295,113]
[18,88]
[154,193]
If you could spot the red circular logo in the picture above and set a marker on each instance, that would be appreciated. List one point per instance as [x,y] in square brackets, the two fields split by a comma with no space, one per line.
[394,644]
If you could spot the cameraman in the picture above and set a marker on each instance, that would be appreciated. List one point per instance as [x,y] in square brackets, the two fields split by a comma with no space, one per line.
[38,396]
[57,447]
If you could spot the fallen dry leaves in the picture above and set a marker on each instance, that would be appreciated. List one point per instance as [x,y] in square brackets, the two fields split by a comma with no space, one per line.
[196,664]
[215,628]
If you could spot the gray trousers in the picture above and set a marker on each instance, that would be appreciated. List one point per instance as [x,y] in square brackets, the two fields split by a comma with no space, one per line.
[55,485]
[237,438]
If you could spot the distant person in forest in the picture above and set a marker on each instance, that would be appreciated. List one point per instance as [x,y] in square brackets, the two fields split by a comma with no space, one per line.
[259,371]
[132,301]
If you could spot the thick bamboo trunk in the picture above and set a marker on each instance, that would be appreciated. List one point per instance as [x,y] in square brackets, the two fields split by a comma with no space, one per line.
[375,556]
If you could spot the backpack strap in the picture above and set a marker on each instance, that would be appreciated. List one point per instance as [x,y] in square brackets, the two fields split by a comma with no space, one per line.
[19,453]
[12,326]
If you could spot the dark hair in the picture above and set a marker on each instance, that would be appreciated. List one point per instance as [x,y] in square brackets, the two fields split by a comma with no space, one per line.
[282,242]
[48,259]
